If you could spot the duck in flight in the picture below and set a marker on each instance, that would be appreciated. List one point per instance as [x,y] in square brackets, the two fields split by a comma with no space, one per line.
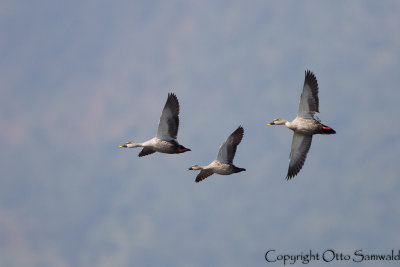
[165,139]
[304,126]
[223,164]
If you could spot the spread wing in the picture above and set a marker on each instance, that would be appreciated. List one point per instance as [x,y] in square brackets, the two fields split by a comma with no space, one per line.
[203,175]
[169,120]
[298,153]
[228,148]
[309,102]
[146,151]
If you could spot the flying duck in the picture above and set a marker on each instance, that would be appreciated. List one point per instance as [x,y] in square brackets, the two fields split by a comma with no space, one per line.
[223,164]
[165,139]
[304,126]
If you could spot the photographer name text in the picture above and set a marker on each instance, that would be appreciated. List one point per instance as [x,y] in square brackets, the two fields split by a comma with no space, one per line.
[330,255]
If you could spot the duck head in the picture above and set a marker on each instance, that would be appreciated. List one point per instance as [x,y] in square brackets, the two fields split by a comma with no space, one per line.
[130,145]
[194,168]
[278,121]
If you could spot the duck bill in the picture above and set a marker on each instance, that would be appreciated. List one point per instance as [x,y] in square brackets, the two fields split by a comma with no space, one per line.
[189,169]
[124,146]
[271,123]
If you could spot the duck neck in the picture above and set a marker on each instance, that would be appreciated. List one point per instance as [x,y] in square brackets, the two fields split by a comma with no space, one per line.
[197,167]
[292,125]
[133,145]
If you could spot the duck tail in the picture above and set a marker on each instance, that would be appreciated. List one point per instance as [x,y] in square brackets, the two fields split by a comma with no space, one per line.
[327,130]
[239,170]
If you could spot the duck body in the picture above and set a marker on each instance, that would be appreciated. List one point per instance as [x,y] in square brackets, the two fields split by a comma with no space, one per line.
[219,167]
[163,146]
[223,168]
[308,126]
[157,145]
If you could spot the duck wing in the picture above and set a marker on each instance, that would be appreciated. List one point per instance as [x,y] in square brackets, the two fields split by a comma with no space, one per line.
[203,175]
[169,120]
[309,102]
[146,151]
[298,153]
[227,150]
